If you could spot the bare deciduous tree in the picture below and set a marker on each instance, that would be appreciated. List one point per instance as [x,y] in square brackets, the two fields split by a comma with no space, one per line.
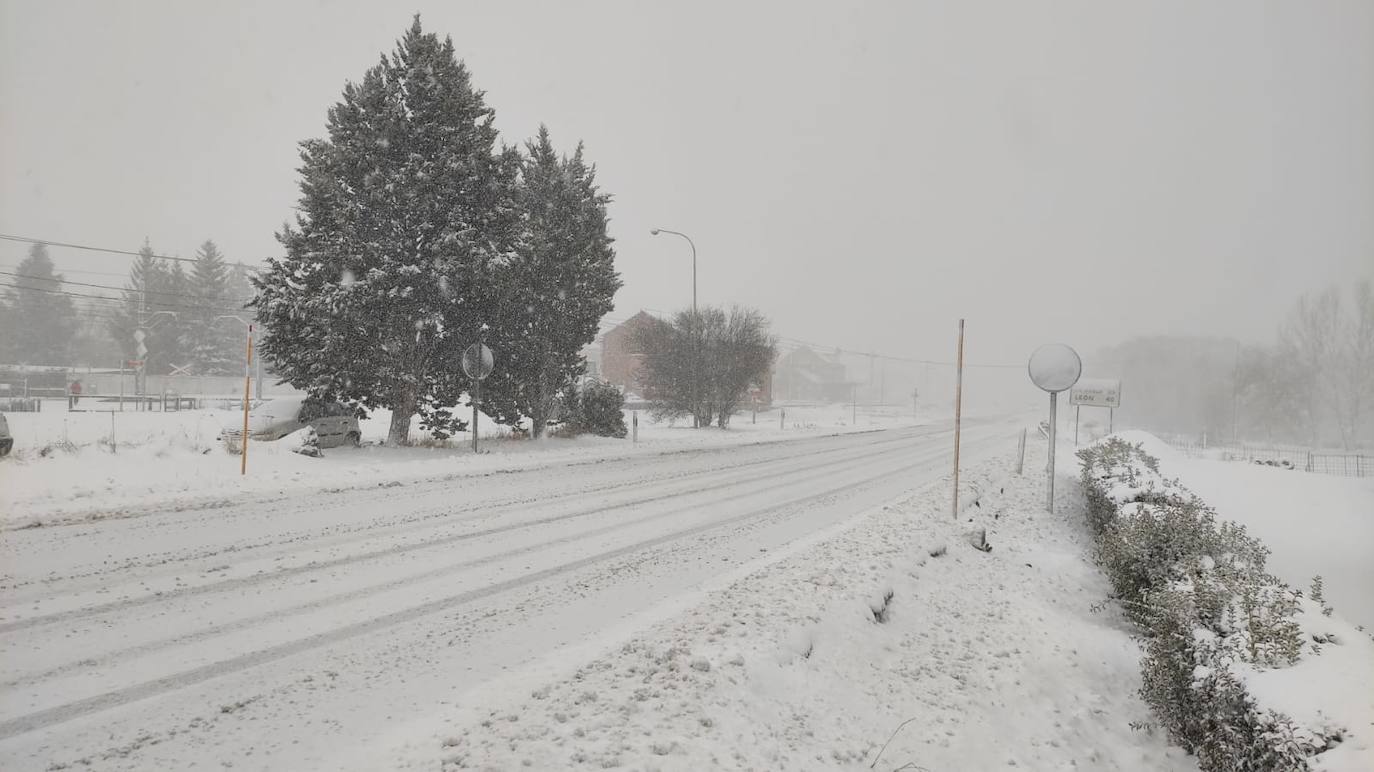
[702,364]
[1331,346]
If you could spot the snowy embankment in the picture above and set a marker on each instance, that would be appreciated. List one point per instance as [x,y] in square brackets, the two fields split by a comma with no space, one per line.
[1239,666]
[889,625]
[65,467]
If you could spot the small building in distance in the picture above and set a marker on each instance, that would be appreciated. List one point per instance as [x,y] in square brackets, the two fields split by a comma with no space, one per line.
[802,375]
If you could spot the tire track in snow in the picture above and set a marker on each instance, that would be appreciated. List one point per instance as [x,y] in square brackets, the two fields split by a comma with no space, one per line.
[152,688]
[434,573]
[224,585]
[364,531]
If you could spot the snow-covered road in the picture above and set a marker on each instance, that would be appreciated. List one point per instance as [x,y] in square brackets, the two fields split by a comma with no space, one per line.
[273,634]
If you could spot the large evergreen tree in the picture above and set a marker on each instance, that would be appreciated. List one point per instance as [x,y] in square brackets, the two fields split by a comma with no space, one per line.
[405,210]
[213,343]
[554,290]
[39,320]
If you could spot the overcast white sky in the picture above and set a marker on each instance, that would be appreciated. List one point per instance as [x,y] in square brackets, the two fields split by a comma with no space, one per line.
[866,173]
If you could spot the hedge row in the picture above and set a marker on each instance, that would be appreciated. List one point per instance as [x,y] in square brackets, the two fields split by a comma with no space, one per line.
[1210,614]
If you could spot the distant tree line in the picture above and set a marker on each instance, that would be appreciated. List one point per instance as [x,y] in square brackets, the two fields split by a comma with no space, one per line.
[184,314]
[1314,385]
[419,235]
[46,320]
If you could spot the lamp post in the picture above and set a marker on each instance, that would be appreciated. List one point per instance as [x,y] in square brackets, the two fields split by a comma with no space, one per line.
[657,231]
[696,420]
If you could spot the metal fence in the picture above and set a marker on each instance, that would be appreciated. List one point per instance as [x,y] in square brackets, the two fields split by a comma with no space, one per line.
[1333,462]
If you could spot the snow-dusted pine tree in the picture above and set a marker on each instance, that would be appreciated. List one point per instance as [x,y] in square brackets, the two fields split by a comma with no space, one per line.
[404,210]
[214,343]
[155,300]
[39,319]
[555,289]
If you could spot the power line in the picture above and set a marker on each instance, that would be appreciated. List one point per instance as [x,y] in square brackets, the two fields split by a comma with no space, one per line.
[46,242]
[111,287]
[51,243]
[796,343]
[66,271]
[122,301]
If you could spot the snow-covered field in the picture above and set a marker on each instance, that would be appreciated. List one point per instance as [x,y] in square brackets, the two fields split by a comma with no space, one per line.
[1313,523]
[64,468]
[293,631]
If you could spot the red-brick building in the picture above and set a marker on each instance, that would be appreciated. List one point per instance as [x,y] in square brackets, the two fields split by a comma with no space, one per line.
[619,361]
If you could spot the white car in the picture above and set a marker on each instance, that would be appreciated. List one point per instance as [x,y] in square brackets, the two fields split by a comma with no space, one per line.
[334,423]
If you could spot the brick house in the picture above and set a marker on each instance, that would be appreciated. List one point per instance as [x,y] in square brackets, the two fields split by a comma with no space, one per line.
[618,358]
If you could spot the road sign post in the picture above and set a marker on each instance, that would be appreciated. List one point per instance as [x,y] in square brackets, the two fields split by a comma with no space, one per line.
[1053,367]
[477,362]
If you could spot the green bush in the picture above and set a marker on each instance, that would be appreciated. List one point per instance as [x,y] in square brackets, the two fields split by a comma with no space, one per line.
[1199,590]
[597,408]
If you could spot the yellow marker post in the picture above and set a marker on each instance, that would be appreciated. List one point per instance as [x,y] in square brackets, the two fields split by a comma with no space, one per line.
[247,376]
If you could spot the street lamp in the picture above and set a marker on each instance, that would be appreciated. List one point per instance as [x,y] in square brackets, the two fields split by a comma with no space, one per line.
[696,321]
[657,231]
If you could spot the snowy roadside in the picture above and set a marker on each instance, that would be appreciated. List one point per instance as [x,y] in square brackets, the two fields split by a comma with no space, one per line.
[63,470]
[814,657]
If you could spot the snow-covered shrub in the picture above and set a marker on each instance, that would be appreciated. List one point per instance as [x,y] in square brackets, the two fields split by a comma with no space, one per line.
[1211,613]
[1133,472]
[598,408]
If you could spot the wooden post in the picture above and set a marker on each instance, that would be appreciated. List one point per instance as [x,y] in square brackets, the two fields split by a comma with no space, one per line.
[634,426]
[958,414]
[1077,409]
[1021,453]
[247,377]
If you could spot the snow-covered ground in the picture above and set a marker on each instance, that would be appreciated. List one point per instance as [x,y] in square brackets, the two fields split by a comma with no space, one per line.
[63,467]
[888,625]
[1313,523]
[292,632]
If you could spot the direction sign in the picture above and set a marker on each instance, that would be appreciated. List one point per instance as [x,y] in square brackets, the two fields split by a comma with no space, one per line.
[478,361]
[1096,393]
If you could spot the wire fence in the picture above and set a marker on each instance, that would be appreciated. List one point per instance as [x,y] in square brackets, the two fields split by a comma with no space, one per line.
[1332,462]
